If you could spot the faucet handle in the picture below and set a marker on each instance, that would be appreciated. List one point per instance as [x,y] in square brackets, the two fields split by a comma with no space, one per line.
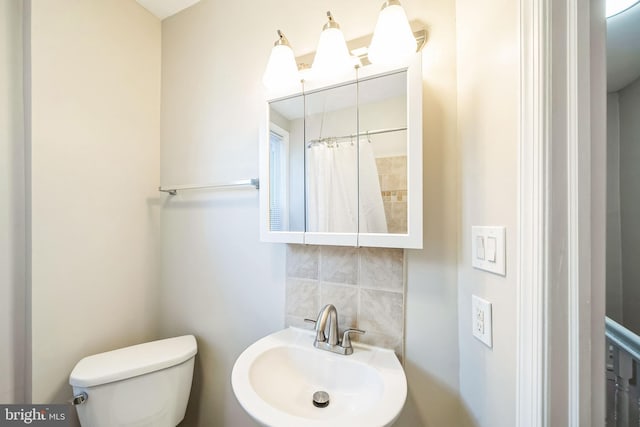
[346,340]
[310,321]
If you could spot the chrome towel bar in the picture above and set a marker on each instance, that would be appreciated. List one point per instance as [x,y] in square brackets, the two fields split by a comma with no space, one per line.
[173,190]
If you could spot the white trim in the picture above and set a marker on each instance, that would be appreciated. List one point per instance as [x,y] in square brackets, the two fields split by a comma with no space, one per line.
[559,338]
[333,239]
[586,84]
[579,207]
[573,218]
[531,405]
[598,81]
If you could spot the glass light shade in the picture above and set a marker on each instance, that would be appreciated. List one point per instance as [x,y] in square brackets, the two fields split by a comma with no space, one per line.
[332,56]
[282,70]
[393,42]
[615,7]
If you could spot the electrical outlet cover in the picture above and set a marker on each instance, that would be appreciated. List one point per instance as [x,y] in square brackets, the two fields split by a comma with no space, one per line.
[481,322]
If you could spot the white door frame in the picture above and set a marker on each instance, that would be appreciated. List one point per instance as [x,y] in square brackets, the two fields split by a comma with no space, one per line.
[562,155]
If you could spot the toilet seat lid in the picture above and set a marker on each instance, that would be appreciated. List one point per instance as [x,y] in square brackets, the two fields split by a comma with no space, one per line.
[132,361]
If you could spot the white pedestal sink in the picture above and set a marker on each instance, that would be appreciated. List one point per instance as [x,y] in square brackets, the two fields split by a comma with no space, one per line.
[275,378]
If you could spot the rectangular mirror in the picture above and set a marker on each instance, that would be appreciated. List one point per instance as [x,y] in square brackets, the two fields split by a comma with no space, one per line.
[382,109]
[286,165]
[343,162]
[332,160]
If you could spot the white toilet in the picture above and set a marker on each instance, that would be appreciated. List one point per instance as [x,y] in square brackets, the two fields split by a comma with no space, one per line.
[142,385]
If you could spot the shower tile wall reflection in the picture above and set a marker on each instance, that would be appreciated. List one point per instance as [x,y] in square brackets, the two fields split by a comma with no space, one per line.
[365,284]
[392,173]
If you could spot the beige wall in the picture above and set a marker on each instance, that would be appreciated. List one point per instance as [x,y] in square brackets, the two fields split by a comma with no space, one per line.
[614,247]
[218,280]
[629,108]
[488,129]
[12,206]
[96,120]
[94,171]
[623,227]
[95,206]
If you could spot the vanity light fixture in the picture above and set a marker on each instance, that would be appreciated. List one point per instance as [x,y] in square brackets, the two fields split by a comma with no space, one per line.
[393,42]
[332,55]
[282,69]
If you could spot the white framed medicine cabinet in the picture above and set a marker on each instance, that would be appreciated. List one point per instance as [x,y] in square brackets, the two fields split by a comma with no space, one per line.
[341,163]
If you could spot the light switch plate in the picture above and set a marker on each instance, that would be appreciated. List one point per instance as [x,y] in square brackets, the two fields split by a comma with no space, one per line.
[481,322]
[488,250]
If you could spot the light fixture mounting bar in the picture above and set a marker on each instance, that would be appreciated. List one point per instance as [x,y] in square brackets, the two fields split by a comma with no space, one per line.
[358,47]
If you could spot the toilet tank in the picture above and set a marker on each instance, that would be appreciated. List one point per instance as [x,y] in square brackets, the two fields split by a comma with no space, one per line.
[142,385]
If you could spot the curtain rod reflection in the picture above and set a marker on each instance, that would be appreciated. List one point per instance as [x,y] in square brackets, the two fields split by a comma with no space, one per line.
[334,139]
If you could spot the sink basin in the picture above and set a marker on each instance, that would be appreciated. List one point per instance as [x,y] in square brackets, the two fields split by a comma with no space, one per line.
[275,379]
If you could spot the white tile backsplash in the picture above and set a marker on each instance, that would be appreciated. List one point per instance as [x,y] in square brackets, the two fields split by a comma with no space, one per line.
[302,297]
[381,311]
[366,285]
[302,261]
[339,264]
[345,298]
[382,268]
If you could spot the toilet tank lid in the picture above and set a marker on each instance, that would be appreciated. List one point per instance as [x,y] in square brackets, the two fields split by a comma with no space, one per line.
[132,361]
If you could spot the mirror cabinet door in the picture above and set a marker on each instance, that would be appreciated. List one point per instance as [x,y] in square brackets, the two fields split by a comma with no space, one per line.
[344,163]
[331,145]
[286,165]
[382,109]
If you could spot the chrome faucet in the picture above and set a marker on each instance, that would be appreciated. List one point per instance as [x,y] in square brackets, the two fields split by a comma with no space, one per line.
[328,318]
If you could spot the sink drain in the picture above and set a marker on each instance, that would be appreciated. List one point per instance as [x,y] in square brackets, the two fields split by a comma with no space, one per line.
[320,399]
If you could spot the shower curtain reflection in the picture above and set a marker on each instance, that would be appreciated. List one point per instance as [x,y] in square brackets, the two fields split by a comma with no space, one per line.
[332,188]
